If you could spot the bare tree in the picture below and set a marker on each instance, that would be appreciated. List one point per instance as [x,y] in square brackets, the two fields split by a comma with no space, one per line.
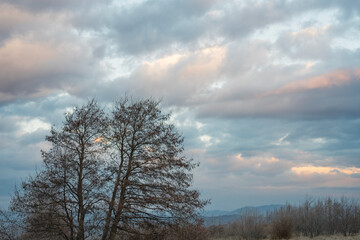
[62,200]
[250,225]
[110,174]
[150,175]
[282,222]
[326,217]
[10,226]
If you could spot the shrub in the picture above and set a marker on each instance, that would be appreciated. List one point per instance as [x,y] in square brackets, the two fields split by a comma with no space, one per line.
[251,225]
[282,224]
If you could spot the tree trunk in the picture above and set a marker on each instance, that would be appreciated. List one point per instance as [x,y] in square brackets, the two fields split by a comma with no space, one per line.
[81,212]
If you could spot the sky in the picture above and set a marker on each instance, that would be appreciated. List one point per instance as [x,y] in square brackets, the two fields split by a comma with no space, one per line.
[266,93]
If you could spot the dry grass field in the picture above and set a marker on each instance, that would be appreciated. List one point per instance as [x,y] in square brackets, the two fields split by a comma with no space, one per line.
[334,237]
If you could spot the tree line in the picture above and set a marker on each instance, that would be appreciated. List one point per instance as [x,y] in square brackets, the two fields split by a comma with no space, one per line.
[313,217]
[109,174]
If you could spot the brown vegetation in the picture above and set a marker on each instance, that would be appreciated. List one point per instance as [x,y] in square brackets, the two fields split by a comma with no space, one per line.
[282,223]
[313,218]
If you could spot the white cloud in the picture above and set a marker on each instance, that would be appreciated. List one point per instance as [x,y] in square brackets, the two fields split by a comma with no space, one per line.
[31,125]
[282,141]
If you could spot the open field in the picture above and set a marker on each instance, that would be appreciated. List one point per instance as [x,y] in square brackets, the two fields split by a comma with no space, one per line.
[334,237]
[329,237]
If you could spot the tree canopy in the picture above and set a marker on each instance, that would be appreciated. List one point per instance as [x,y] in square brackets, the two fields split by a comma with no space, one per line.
[109,174]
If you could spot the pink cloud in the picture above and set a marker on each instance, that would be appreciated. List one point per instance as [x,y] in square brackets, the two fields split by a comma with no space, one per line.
[327,80]
[310,170]
[259,164]
[185,76]
[32,68]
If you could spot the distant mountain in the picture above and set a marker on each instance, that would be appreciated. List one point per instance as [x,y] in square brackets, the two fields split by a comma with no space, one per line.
[260,209]
[215,213]
[216,217]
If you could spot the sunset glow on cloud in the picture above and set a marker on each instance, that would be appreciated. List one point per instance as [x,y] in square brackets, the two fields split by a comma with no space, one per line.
[308,170]
[266,93]
[334,79]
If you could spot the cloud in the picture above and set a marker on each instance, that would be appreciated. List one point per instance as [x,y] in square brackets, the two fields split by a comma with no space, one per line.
[327,80]
[282,141]
[32,69]
[259,165]
[240,18]
[157,26]
[151,25]
[12,19]
[32,125]
[309,170]
[52,5]
[16,22]
[308,43]
[331,94]
[182,78]
[261,90]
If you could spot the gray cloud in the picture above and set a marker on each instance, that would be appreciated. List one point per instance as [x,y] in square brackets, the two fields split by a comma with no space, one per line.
[157,24]
[317,103]
[53,5]
[33,69]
